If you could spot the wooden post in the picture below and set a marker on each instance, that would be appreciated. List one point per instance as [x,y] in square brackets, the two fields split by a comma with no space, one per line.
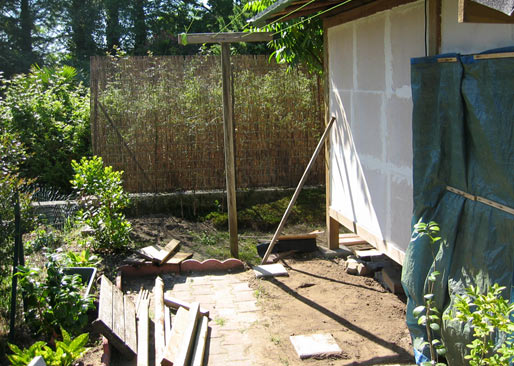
[228,113]
[228,132]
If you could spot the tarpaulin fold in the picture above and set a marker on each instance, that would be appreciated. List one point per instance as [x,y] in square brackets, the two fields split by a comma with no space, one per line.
[463,137]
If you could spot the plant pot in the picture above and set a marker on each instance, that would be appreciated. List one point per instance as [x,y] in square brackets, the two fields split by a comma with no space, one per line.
[86,273]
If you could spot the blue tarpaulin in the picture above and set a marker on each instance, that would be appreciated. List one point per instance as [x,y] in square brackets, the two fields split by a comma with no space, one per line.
[463,174]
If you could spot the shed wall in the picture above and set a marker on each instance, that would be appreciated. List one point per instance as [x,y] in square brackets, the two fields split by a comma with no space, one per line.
[370,159]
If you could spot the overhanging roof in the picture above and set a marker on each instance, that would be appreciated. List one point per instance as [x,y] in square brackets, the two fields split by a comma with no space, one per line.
[284,10]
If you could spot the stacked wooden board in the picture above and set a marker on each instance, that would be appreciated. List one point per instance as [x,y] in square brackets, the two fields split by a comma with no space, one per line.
[126,326]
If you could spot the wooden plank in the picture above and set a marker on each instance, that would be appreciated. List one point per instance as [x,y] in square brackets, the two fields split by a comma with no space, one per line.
[167,324]
[105,304]
[228,133]
[130,323]
[188,337]
[179,325]
[200,342]
[298,190]
[159,341]
[224,37]
[177,303]
[298,236]
[333,234]
[179,258]
[472,12]
[106,322]
[170,248]
[143,334]
[118,315]
[488,56]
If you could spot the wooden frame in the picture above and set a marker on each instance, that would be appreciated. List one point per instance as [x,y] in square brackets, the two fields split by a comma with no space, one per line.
[472,12]
[390,250]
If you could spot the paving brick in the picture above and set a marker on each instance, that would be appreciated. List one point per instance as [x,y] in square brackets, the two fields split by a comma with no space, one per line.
[244,306]
[243,296]
[234,337]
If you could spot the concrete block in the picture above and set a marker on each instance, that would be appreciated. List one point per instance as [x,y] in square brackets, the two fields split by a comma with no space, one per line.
[316,345]
[391,278]
[335,253]
[270,270]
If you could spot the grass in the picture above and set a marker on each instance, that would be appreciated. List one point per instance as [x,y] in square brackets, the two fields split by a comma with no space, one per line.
[220,321]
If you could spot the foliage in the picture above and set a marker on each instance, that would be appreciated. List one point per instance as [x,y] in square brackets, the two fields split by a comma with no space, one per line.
[83,259]
[42,237]
[66,351]
[428,315]
[12,155]
[53,299]
[48,110]
[103,199]
[300,41]
[489,315]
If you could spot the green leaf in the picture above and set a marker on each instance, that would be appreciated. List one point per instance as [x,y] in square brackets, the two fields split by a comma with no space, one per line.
[418,310]
[428,296]
[435,327]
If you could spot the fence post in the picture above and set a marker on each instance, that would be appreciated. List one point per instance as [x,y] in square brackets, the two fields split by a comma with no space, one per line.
[17,253]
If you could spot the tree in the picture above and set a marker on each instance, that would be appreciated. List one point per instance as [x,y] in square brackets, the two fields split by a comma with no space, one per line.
[300,41]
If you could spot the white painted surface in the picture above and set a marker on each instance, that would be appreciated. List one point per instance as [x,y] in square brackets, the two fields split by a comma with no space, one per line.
[371,151]
[370,94]
[469,38]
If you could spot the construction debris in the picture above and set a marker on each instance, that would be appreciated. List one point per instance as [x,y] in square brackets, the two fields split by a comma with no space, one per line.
[176,304]
[158,254]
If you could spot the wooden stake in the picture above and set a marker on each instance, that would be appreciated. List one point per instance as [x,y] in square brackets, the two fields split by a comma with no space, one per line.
[160,346]
[298,190]
[142,334]
[200,341]
[228,130]
[188,337]
[176,303]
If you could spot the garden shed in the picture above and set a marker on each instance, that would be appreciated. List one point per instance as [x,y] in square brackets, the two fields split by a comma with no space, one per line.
[421,137]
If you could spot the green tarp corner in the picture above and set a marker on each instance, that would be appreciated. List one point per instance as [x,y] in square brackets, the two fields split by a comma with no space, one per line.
[463,137]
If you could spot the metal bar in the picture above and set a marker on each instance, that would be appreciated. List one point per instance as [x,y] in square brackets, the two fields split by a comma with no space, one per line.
[298,190]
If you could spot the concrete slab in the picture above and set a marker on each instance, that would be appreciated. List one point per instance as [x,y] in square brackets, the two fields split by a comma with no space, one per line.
[270,270]
[315,345]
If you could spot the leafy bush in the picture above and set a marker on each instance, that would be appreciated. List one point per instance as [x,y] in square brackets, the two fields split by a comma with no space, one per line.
[54,300]
[49,110]
[66,351]
[83,259]
[489,315]
[43,237]
[102,199]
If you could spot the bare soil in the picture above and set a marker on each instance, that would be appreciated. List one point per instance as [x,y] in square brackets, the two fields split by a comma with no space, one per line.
[318,296]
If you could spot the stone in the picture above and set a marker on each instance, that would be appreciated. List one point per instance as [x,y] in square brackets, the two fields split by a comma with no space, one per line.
[270,270]
[315,345]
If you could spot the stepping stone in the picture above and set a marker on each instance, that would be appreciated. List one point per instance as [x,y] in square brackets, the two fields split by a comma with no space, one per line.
[316,345]
[270,270]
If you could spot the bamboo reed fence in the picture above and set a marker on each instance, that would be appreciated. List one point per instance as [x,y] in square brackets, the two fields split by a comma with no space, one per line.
[160,120]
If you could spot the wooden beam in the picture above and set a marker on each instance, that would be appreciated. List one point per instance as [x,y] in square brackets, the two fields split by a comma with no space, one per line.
[228,37]
[200,342]
[130,323]
[142,333]
[298,190]
[188,337]
[362,11]
[434,27]
[228,132]
[178,328]
[472,12]
[159,332]
[176,303]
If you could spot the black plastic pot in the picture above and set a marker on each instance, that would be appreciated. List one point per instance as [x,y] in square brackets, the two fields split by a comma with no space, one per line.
[86,273]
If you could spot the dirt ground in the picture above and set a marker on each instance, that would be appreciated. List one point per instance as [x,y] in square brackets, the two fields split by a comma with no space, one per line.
[367,322]
[318,296]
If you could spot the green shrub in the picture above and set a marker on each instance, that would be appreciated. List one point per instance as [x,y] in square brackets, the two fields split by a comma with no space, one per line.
[49,110]
[53,299]
[66,351]
[102,198]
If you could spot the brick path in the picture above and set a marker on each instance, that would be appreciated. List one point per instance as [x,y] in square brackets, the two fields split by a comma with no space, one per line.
[233,311]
